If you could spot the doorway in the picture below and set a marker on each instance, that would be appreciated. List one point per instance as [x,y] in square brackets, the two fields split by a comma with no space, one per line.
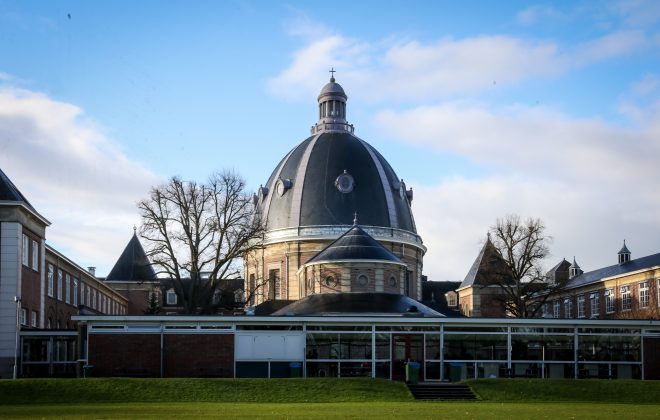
[407,348]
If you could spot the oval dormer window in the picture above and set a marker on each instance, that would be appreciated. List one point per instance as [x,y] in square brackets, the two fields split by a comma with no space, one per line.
[345,183]
[362,280]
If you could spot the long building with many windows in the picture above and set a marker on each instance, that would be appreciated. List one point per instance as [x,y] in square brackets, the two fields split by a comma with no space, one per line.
[40,291]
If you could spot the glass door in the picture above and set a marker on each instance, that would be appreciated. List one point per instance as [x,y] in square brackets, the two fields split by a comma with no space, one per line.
[407,348]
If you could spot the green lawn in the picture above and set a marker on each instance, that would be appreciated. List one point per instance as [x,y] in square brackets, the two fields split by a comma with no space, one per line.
[368,410]
[294,390]
[584,390]
[321,399]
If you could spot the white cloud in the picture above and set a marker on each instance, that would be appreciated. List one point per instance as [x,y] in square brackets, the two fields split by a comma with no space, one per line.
[593,183]
[647,85]
[413,70]
[533,140]
[587,221]
[72,173]
[533,14]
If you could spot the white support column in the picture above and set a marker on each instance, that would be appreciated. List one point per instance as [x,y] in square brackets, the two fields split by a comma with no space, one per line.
[10,286]
[42,279]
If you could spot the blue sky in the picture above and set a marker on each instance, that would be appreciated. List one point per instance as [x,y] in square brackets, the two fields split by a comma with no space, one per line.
[485,108]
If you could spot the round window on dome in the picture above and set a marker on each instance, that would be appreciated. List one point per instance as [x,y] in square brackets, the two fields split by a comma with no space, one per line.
[362,280]
[330,281]
[393,281]
[345,183]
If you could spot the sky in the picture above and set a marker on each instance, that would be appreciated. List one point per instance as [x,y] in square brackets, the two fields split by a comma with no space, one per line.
[548,110]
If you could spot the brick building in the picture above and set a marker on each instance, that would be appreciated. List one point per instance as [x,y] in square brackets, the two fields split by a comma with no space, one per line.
[629,289]
[40,291]
[312,198]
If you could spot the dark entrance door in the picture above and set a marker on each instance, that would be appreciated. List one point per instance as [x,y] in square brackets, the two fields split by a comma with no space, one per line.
[407,348]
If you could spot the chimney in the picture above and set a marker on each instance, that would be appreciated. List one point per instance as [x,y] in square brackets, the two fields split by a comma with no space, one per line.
[92,271]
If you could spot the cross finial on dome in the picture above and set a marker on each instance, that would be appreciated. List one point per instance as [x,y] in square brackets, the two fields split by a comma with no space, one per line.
[332,74]
[355,219]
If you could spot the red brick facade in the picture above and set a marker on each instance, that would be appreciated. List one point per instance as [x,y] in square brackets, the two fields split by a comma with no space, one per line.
[183,355]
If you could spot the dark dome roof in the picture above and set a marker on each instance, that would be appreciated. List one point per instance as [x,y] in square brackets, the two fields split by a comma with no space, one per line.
[366,304]
[333,89]
[356,244]
[309,194]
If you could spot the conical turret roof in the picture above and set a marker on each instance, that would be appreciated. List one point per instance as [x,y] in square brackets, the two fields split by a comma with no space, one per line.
[356,244]
[133,264]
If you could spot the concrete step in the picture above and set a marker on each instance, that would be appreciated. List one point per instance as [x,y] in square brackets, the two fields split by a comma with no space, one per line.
[432,391]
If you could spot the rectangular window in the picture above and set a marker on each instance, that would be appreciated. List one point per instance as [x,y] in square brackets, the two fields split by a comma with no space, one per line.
[67,290]
[595,304]
[35,316]
[89,296]
[93,298]
[274,284]
[51,279]
[171,297]
[26,251]
[568,308]
[82,293]
[59,284]
[75,292]
[556,308]
[251,290]
[35,256]
[609,301]
[644,294]
[626,298]
[580,306]
[23,316]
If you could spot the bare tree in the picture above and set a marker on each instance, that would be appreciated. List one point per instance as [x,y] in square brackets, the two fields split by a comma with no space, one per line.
[522,246]
[197,233]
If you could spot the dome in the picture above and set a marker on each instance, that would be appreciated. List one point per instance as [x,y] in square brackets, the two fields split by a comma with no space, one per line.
[332,89]
[330,177]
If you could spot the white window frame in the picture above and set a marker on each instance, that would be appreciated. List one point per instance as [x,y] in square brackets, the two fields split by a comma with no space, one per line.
[51,279]
[67,288]
[610,301]
[75,292]
[171,297]
[594,300]
[26,251]
[34,319]
[35,256]
[24,316]
[644,294]
[568,308]
[451,299]
[556,308]
[580,306]
[94,299]
[59,284]
[626,297]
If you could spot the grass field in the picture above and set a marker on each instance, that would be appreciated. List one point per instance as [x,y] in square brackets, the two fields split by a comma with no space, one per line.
[364,410]
[320,399]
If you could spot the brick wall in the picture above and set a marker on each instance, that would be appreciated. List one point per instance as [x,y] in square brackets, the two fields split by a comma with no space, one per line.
[184,355]
[125,354]
[198,355]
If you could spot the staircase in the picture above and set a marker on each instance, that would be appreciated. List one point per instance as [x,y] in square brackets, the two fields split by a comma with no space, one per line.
[441,391]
